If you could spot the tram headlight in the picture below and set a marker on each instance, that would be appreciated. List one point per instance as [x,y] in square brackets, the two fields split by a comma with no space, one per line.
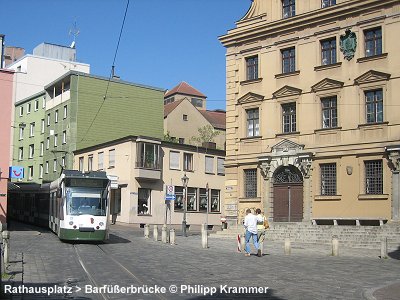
[97,227]
[71,223]
[101,224]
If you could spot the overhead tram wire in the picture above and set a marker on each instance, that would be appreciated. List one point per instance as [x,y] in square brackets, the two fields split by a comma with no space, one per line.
[111,72]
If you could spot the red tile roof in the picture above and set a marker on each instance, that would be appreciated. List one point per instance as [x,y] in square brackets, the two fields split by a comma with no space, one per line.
[184,88]
[217,118]
[170,107]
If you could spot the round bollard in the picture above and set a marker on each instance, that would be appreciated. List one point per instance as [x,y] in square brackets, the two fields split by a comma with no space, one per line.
[335,246]
[164,234]
[6,245]
[155,233]
[287,247]
[146,231]
[384,252]
[204,236]
[172,236]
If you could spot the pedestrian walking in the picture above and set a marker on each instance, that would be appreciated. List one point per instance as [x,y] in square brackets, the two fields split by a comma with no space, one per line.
[262,225]
[250,223]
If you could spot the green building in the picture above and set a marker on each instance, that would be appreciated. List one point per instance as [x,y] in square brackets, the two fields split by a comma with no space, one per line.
[80,110]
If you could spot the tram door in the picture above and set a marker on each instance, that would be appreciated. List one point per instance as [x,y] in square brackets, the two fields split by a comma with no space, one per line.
[288,195]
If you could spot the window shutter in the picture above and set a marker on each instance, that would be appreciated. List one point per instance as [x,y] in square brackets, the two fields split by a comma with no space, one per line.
[173,160]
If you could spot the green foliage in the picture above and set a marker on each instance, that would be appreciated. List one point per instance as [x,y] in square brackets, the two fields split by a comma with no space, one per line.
[169,138]
[207,134]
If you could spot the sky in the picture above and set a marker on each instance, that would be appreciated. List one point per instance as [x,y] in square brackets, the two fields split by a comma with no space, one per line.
[163,42]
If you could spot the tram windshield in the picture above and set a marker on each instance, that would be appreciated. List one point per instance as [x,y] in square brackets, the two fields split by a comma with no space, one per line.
[85,203]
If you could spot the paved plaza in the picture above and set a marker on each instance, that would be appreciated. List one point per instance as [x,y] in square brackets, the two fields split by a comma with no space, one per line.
[147,269]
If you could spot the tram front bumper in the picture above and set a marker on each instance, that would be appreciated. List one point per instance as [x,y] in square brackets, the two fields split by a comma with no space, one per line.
[83,234]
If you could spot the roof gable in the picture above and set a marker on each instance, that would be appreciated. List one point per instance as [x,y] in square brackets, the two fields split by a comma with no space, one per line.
[216,118]
[327,84]
[372,76]
[186,89]
[287,91]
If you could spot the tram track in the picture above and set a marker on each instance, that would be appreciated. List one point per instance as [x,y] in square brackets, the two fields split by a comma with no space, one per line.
[90,256]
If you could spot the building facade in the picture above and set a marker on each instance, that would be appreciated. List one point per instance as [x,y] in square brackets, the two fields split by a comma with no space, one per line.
[142,167]
[77,111]
[313,132]
[6,88]
[187,121]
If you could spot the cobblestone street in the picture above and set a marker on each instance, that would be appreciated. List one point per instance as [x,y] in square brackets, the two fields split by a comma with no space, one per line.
[130,260]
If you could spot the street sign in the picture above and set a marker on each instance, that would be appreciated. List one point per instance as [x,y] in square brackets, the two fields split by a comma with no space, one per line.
[170,193]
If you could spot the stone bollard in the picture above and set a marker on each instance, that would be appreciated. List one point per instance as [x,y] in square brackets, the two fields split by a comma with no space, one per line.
[384,251]
[335,246]
[146,231]
[164,234]
[287,246]
[172,236]
[204,236]
[6,245]
[155,233]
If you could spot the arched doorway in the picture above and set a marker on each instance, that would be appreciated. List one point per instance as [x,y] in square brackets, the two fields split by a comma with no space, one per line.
[288,194]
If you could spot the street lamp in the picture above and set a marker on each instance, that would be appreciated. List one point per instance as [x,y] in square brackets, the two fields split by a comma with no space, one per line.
[185,181]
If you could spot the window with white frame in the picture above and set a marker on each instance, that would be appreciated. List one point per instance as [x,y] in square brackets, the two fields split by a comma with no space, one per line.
[21,111]
[100,160]
[63,161]
[31,150]
[47,143]
[329,112]
[203,199]
[148,156]
[48,119]
[20,153]
[65,111]
[289,117]
[191,199]
[41,171]
[328,51]
[209,165]
[21,133]
[252,68]
[81,162]
[288,60]
[36,105]
[28,108]
[288,8]
[32,130]
[373,177]
[30,171]
[373,41]
[90,163]
[41,148]
[327,3]
[187,161]
[174,160]
[56,116]
[55,165]
[111,158]
[220,166]
[144,201]
[42,126]
[64,137]
[328,179]
[253,122]
[55,140]
[215,201]
[178,203]
[47,167]
[374,106]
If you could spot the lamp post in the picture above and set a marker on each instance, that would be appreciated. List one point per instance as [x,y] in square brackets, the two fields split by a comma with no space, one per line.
[208,202]
[185,181]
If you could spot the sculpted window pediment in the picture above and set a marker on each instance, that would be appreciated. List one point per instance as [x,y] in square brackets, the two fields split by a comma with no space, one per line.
[286,146]
[327,84]
[250,97]
[372,76]
[287,91]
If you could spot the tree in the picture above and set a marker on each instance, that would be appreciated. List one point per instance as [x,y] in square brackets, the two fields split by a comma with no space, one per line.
[207,134]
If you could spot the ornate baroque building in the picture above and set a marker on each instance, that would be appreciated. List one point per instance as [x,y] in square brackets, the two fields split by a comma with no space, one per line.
[313,124]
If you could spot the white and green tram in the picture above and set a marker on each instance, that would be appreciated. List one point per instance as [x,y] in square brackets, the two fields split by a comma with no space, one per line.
[79,206]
